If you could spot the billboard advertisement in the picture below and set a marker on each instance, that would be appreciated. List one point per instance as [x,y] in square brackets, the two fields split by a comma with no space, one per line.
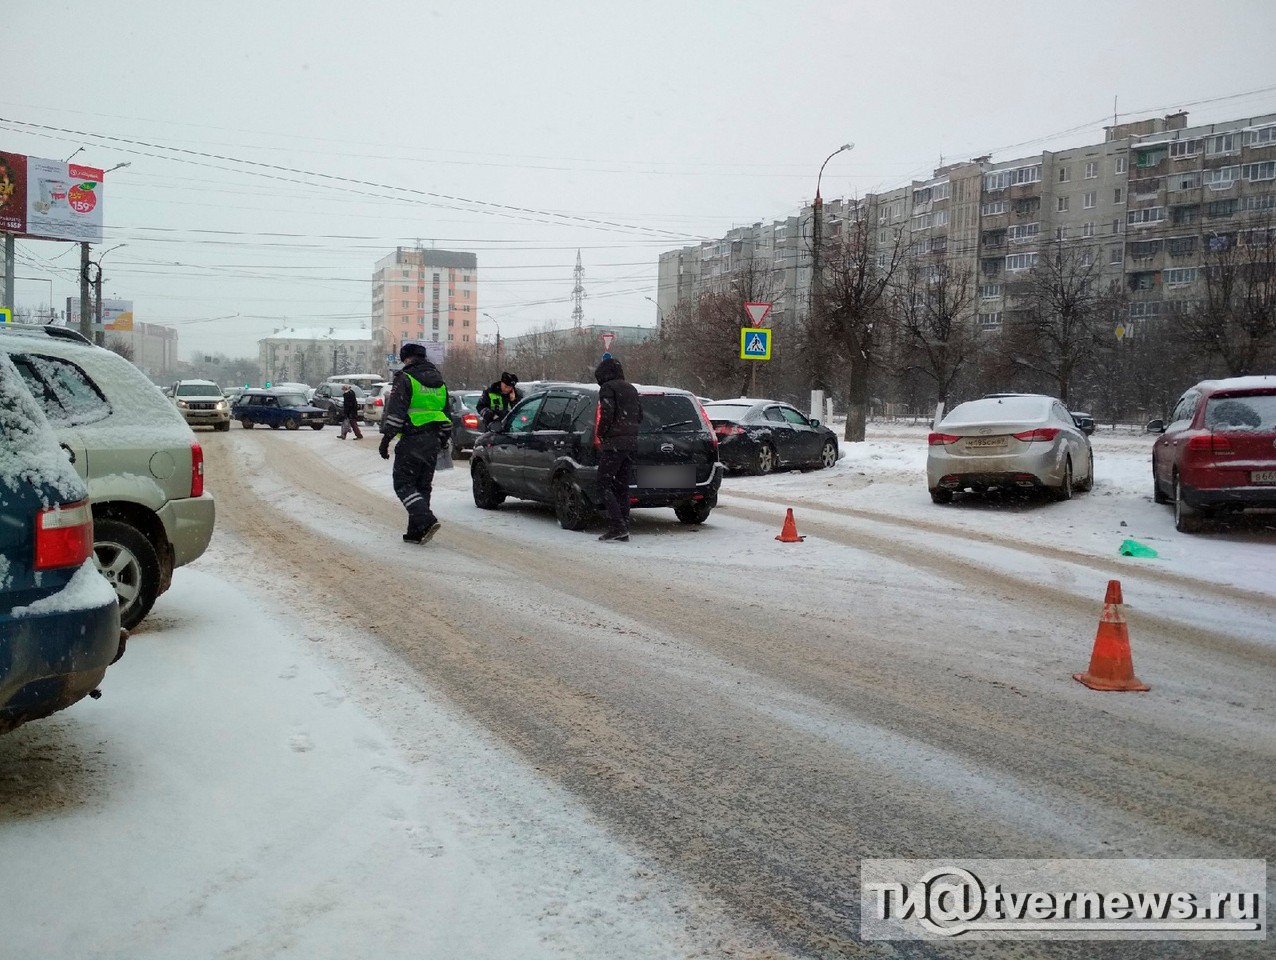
[435,350]
[50,199]
[116,314]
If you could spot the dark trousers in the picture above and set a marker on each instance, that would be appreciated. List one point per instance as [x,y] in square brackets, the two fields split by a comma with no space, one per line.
[615,468]
[348,424]
[413,476]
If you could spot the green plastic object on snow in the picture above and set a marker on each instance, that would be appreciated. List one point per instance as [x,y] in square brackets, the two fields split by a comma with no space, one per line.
[1132,548]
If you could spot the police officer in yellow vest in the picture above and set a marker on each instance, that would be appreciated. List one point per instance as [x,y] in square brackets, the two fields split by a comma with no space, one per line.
[417,414]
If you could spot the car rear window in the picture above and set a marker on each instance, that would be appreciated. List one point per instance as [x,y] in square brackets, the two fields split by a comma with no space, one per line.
[735,412]
[669,413]
[1000,410]
[1246,412]
[470,400]
[65,392]
[291,400]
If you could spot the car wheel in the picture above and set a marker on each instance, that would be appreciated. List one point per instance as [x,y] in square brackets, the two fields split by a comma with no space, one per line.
[569,504]
[316,426]
[223,427]
[246,423]
[828,455]
[291,423]
[456,452]
[1187,519]
[487,495]
[274,426]
[1064,490]
[941,496]
[129,561]
[695,512]
[1157,495]
[764,460]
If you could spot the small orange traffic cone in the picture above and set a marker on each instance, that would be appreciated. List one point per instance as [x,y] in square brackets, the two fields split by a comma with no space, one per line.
[789,534]
[1111,664]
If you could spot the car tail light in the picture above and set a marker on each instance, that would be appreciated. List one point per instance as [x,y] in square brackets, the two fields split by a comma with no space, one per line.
[598,418]
[197,470]
[728,430]
[63,536]
[708,424]
[470,420]
[1041,433]
[378,402]
[1209,443]
[941,439]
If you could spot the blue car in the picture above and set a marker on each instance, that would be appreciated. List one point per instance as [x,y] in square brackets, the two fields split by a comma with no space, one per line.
[277,408]
[59,617]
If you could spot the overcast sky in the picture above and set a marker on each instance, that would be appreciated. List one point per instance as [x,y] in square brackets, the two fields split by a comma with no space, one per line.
[525,131]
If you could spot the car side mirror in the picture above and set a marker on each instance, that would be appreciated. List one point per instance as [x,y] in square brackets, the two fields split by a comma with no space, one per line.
[496,426]
[814,422]
[1156,426]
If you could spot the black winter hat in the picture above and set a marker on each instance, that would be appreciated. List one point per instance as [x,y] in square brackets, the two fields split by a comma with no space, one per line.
[609,369]
[411,350]
[509,378]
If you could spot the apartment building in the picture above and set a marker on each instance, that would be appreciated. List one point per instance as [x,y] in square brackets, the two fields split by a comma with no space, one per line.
[1138,211]
[310,355]
[425,294]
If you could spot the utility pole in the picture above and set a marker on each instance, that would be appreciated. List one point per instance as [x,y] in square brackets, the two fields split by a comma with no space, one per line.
[99,331]
[86,316]
[9,270]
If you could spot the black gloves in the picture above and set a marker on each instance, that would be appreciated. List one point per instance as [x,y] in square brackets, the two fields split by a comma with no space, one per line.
[384,449]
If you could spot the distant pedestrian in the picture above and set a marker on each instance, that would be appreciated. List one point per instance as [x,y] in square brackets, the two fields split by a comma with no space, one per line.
[349,413]
[498,399]
[619,415]
[417,414]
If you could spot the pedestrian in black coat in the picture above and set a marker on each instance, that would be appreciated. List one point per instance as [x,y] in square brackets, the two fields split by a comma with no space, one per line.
[349,413]
[619,416]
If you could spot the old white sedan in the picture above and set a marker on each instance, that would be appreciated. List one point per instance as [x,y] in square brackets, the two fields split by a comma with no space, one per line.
[1024,441]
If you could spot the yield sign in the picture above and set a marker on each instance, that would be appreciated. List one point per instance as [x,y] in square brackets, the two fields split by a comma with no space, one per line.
[607,339]
[757,312]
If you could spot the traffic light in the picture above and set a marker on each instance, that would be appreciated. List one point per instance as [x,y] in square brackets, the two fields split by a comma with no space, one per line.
[267,384]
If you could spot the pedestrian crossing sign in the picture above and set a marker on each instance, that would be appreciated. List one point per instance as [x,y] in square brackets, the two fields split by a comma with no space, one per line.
[755,343]
[6,315]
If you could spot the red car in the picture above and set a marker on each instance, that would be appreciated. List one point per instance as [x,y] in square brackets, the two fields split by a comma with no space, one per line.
[1218,452]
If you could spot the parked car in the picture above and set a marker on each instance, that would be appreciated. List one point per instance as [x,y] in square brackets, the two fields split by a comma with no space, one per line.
[327,398]
[59,618]
[545,449]
[1217,454]
[758,436]
[202,403]
[277,408]
[1016,441]
[143,466]
[375,400]
[463,409]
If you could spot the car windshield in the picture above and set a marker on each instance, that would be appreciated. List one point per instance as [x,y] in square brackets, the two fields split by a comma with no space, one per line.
[669,413]
[291,399]
[735,412]
[1252,412]
[197,390]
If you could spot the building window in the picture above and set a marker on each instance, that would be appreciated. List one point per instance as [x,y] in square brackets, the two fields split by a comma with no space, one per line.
[990,291]
[1017,262]
[990,321]
[994,207]
[1220,208]
[1091,169]
[1144,249]
[1181,216]
[1116,254]
[1119,165]
[1185,181]
[1144,216]
[990,266]
[1185,148]
[1089,200]
[1222,178]
[1255,204]
[1264,136]
[1087,229]
[405,304]
[1064,176]
[993,238]
[1023,232]
[1260,171]
[450,338]
[1061,204]
[1182,246]
[1116,195]
[1221,144]
[1180,276]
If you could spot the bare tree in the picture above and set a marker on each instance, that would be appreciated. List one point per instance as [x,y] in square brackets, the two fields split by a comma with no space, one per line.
[1063,313]
[121,346]
[1235,323]
[854,315]
[934,306]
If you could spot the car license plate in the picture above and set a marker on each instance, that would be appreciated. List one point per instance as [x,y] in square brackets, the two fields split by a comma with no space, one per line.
[1262,476]
[667,477]
[985,441]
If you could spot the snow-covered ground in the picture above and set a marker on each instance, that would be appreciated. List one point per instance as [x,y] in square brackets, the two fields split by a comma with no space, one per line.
[261,780]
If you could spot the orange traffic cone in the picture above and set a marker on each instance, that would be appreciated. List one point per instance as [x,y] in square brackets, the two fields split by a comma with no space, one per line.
[789,534]
[1111,665]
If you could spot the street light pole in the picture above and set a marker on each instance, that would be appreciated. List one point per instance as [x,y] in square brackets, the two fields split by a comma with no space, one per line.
[99,333]
[817,236]
[660,317]
[498,337]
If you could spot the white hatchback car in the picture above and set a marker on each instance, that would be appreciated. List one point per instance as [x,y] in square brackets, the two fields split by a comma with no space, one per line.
[375,400]
[1021,441]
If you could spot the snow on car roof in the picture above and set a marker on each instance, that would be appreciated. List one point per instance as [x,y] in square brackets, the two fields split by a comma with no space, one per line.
[1239,383]
[1021,409]
[30,451]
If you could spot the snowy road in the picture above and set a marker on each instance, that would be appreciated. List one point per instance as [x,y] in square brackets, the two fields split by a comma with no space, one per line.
[754,718]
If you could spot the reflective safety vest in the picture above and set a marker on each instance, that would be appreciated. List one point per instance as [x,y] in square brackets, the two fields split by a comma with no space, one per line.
[426,404]
[497,400]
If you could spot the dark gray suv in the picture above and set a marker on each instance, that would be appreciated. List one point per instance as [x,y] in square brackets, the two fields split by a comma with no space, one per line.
[546,449]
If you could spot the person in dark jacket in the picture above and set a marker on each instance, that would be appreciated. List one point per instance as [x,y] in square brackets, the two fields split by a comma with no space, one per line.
[498,398]
[417,414]
[619,415]
[349,413]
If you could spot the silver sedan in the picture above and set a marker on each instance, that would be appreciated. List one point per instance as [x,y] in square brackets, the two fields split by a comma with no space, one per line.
[1009,442]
